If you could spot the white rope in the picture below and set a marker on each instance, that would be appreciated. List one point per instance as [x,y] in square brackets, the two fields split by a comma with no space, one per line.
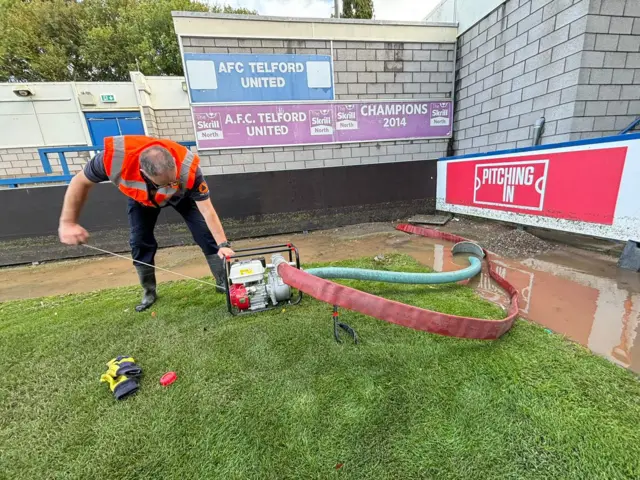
[153,266]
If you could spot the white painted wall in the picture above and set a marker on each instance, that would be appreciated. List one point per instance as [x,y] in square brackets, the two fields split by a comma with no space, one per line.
[167,93]
[202,24]
[50,117]
[123,91]
[465,12]
[54,116]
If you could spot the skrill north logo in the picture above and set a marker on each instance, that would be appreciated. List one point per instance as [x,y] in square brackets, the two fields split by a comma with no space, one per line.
[511,184]
[209,126]
[346,117]
[440,114]
[321,122]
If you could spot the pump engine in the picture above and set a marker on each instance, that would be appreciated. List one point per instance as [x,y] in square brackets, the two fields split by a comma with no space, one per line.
[253,285]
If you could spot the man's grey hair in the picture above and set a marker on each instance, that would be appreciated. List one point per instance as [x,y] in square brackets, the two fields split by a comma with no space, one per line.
[156,161]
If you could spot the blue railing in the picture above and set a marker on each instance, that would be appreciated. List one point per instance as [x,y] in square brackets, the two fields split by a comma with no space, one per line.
[66,173]
[631,126]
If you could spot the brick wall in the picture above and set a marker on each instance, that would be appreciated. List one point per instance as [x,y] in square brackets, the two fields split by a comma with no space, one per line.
[25,162]
[362,71]
[519,63]
[608,94]
[575,62]
[19,162]
[150,121]
[175,124]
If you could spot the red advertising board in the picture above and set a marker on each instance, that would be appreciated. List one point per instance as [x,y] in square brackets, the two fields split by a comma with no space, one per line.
[579,185]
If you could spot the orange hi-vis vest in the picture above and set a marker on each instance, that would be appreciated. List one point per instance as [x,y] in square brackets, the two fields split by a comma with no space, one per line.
[122,165]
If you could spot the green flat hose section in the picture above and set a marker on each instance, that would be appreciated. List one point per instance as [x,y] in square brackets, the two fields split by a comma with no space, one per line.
[399,277]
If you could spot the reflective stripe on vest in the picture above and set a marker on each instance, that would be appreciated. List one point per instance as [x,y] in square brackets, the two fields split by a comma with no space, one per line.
[185,170]
[133,184]
[117,160]
[167,191]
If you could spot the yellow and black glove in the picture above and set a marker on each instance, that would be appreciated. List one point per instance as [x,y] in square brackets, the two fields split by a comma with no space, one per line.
[123,365]
[121,386]
[122,376]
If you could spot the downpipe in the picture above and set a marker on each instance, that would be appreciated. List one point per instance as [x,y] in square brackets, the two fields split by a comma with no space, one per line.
[538,130]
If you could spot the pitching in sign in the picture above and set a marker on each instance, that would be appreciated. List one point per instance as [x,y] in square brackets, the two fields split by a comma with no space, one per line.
[589,187]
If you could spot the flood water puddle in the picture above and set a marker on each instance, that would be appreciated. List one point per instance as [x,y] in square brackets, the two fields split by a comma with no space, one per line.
[599,312]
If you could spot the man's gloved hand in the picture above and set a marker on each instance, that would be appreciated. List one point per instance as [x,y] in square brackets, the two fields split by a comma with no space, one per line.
[122,376]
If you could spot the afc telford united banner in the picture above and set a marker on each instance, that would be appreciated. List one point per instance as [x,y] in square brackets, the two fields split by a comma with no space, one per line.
[232,78]
[236,126]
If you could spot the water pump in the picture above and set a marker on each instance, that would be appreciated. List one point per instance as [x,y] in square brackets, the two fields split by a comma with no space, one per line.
[253,284]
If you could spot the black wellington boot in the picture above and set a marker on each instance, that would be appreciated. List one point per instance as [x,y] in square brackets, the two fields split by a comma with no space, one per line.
[217,269]
[147,276]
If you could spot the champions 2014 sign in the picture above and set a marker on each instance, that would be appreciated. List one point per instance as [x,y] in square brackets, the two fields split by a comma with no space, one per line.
[236,126]
[273,100]
[233,78]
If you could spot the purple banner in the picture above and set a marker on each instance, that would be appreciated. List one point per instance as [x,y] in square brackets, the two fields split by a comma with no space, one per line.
[235,126]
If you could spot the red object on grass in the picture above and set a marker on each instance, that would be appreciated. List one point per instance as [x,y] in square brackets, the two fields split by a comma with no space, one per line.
[407,315]
[168,378]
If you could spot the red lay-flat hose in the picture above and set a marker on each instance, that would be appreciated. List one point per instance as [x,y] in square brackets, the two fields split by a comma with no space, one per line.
[402,314]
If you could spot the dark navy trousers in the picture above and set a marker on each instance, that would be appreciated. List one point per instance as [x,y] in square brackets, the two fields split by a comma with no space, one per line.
[142,222]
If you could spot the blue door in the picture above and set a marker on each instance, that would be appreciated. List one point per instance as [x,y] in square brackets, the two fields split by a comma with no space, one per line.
[111,124]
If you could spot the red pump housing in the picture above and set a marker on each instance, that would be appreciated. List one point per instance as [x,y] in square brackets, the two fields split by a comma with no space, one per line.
[239,297]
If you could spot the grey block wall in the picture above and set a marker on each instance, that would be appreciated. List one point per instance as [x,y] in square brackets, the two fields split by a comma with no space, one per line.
[175,124]
[25,162]
[575,62]
[363,70]
[519,63]
[150,121]
[608,93]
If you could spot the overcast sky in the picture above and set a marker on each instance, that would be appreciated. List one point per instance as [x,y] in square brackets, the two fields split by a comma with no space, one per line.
[414,10]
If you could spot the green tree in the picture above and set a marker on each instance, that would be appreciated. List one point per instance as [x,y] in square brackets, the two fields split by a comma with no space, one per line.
[125,35]
[41,41]
[357,9]
[61,40]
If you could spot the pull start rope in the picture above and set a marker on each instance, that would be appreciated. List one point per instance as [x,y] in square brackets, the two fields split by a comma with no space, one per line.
[154,266]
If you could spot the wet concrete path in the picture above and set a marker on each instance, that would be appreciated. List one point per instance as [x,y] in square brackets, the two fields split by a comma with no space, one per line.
[573,292]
